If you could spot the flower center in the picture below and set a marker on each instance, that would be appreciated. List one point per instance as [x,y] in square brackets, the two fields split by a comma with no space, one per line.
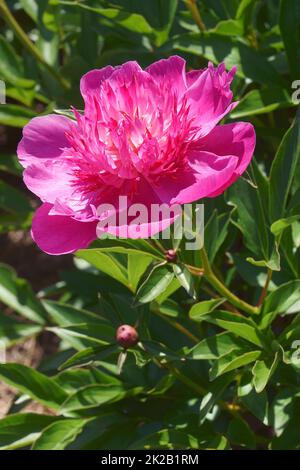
[134,131]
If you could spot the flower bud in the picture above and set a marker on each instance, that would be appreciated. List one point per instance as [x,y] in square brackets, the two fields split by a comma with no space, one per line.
[171,256]
[127,336]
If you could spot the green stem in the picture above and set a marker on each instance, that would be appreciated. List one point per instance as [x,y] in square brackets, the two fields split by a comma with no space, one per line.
[20,33]
[265,289]
[222,289]
[192,6]
[233,410]
[178,326]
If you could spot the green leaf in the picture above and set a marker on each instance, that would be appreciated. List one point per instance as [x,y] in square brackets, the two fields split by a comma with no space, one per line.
[217,48]
[95,395]
[11,66]
[157,281]
[12,330]
[137,265]
[257,404]
[160,351]
[15,116]
[59,435]
[124,246]
[106,263]
[170,289]
[19,430]
[88,355]
[283,170]
[292,331]
[31,8]
[289,438]
[185,278]
[13,200]
[282,299]
[240,433]
[280,225]
[131,21]
[10,163]
[18,295]
[250,218]
[289,20]
[261,102]
[170,308]
[229,27]
[160,14]
[262,372]
[166,439]
[22,95]
[13,222]
[236,324]
[214,394]
[216,230]
[67,315]
[282,409]
[244,8]
[201,308]
[84,335]
[231,361]
[38,386]
[66,112]
[216,346]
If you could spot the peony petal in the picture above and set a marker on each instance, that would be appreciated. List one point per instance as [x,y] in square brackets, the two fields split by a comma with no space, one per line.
[169,73]
[43,138]
[49,181]
[156,217]
[91,81]
[58,235]
[125,73]
[192,76]
[210,97]
[232,139]
[208,172]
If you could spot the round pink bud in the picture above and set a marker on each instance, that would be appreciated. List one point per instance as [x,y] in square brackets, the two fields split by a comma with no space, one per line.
[171,256]
[127,336]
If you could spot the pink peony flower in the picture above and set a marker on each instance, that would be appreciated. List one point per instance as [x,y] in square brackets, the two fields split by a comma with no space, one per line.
[151,135]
